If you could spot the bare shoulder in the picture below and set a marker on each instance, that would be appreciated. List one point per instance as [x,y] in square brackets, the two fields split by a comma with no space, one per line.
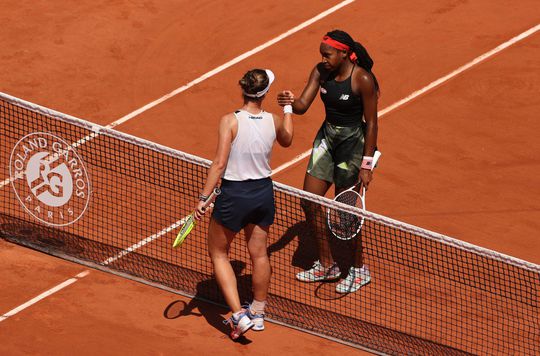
[227,123]
[362,76]
[228,119]
[363,80]
[318,71]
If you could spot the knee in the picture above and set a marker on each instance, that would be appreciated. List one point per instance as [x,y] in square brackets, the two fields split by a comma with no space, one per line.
[258,253]
[216,254]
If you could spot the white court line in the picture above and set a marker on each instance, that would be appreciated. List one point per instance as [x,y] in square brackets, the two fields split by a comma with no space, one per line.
[151,105]
[231,63]
[85,273]
[9,180]
[43,295]
[428,87]
[210,74]
[305,154]
[144,242]
[280,168]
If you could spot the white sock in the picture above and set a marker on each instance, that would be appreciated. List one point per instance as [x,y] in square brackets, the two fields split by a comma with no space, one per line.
[257,307]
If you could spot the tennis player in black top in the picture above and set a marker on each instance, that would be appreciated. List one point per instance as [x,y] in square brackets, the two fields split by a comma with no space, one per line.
[344,146]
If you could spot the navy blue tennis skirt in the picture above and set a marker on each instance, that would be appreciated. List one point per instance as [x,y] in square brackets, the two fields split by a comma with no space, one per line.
[245,202]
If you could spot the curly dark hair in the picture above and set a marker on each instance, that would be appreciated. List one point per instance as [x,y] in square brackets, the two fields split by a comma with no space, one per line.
[363,59]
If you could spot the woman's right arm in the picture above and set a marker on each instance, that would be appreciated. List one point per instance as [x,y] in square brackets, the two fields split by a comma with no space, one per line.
[226,133]
[225,138]
[284,129]
[302,104]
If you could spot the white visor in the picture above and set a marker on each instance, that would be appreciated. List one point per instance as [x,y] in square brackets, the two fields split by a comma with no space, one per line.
[261,93]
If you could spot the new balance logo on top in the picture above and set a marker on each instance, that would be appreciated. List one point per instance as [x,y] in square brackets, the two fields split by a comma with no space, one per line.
[344,97]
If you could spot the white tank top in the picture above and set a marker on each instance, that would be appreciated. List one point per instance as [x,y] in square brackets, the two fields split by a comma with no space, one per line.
[252,147]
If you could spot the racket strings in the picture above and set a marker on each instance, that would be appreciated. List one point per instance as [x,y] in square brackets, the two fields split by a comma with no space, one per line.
[350,198]
[343,224]
[187,225]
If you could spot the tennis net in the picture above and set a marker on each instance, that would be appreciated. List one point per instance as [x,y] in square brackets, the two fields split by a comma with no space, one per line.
[112,201]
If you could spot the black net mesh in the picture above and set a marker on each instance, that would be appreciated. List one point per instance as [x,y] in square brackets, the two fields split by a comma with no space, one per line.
[429,294]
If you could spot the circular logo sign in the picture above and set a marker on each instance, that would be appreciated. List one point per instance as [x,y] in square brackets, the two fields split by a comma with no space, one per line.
[49,179]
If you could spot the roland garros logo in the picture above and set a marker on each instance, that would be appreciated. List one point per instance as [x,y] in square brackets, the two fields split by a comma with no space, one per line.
[49,178]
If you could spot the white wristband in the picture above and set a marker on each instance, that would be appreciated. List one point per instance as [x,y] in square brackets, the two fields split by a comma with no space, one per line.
[287,109]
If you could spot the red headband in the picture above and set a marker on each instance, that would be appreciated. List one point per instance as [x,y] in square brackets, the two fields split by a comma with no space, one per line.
[338,45]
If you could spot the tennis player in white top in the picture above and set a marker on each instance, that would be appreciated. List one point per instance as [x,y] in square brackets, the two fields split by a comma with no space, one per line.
[246,201]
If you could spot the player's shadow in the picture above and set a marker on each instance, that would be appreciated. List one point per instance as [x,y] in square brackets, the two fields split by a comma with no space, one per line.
[213,312]
[306,252]
[343,252]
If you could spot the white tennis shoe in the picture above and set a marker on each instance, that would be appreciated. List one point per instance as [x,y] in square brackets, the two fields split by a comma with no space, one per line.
[239,325]
[256,318]
[357,278]
[319,273]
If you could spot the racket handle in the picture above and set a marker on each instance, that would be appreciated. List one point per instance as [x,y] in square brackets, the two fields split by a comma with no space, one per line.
[210,200]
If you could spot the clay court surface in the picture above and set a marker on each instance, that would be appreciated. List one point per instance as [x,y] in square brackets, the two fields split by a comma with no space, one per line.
[461,159]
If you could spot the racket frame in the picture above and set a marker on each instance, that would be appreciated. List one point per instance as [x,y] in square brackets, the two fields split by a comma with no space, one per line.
[362,198]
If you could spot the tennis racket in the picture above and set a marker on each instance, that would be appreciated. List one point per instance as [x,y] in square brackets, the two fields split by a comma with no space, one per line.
[189,222]
[342,224]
